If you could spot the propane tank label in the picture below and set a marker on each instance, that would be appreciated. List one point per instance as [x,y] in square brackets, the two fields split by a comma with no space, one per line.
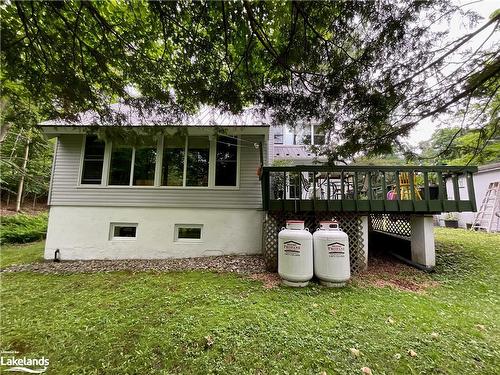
[292,248]
[336,249]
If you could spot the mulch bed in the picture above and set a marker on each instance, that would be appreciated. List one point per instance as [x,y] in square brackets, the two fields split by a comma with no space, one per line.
[242,264]
[385,271]
[382,271]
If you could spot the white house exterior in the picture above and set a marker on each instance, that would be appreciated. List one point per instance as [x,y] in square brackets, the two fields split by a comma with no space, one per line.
[485,175]
[189,193]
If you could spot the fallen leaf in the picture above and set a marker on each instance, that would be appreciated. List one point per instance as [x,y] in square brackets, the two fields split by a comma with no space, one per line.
[390,320]
[397,356]
[480,327]
[366,370]
[412,353]
[434,335]
[333,312]
[355,352]
[209,341]
[315,305]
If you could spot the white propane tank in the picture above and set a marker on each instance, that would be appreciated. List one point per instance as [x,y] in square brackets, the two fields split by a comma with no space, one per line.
[331,254]
[295,254]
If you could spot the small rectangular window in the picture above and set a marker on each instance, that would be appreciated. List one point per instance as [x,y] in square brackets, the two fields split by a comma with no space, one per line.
[123,231]
[188,232]
[93,160]
[120,167]
[173,161]
[226,167]
[197,161]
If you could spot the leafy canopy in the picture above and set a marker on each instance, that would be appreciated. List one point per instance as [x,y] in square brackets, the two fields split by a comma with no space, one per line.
[367,71]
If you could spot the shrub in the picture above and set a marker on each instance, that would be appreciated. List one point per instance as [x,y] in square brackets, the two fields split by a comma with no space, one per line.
[23,228]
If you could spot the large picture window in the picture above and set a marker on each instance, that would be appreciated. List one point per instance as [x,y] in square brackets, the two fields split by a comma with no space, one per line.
[183,161]
[226,161]
[93,160]
[198,155]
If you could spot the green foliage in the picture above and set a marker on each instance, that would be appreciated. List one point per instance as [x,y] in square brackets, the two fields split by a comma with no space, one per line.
[37,175]
[23,228]
[389,159]
[200,322]
[360,68]
[456,146]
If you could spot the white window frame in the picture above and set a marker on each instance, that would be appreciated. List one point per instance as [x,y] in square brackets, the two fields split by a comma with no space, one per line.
[190,240]
[211,165]
[112,227]
[108,148]
[82,158]
[132,167]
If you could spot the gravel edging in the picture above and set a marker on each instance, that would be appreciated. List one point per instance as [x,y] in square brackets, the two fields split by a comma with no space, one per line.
[241,264]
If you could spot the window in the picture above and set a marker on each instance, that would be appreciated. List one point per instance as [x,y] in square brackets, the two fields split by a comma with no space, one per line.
[172,173]
[318,135]
[184,161]
[127,161]
[144,166]
[188,232]
[123,231]
[297,135]
[120,167]
[226,161]
[197,161]
[278,135]
[93,160]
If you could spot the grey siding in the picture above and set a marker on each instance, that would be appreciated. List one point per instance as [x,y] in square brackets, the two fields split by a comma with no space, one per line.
[65,190]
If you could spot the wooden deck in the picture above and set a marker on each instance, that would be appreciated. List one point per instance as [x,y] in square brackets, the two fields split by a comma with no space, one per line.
[368,189]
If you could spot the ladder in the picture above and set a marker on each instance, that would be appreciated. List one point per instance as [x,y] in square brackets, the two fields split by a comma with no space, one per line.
[488,216]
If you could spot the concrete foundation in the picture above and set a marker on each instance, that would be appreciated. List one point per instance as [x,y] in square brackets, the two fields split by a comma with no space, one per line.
[422,241]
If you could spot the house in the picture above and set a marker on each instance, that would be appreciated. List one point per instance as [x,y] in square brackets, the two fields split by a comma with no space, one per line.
[485,175]
[190,189]
[153,186]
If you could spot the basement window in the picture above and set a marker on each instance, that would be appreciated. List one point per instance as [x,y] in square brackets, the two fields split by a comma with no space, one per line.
[188,232]
[120,231]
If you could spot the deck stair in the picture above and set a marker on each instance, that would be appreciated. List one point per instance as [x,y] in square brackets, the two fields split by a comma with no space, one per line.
[488,216]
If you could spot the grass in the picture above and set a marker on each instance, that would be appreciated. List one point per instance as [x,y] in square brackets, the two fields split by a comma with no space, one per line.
[198,322]
[20,254]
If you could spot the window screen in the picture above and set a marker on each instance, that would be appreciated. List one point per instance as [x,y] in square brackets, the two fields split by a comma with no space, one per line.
[121,164]
[226,161]
[144,166]
[173,161]
[93,160]
[197,161]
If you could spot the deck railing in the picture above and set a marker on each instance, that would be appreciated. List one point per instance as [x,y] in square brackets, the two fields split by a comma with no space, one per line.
[428,189]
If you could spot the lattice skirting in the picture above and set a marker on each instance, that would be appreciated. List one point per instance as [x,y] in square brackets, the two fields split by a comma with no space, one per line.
[350,223]
[397,224]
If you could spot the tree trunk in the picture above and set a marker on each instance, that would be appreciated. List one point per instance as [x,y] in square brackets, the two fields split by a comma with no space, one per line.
[20,188]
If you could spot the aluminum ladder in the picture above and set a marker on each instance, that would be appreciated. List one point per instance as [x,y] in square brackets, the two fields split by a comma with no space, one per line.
[488,216]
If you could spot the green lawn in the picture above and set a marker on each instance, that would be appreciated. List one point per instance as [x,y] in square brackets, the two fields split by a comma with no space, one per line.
[199,322]
[19,254]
